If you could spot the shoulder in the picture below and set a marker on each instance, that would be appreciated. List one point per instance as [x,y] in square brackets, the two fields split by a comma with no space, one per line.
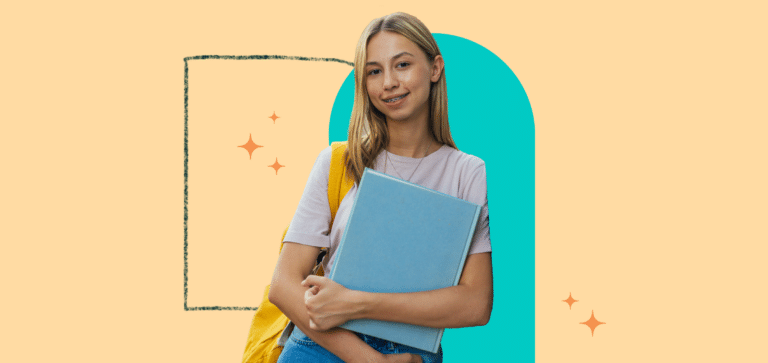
[325,155]
[468,175]
[322,165]
[467,164]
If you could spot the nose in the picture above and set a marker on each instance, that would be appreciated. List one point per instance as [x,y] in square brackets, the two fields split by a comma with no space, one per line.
[390,80]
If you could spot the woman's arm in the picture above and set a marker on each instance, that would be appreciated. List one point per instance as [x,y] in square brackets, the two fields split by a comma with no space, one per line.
[467,304]
[294,264]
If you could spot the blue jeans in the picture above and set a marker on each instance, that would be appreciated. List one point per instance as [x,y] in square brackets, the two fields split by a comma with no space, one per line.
[300,349]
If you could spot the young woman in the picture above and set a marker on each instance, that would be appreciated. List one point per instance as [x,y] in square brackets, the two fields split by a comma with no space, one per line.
[399,126]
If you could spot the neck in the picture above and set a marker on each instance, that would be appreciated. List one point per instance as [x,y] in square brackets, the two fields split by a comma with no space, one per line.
[410,138]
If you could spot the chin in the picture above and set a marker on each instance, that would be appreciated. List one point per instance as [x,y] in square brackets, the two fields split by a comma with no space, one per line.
[399,115]
[398,118]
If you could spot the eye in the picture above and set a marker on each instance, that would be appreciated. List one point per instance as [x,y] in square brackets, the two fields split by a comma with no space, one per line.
[373,71]
[403,64]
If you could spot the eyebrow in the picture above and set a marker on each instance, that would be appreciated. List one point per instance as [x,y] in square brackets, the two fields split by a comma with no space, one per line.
[395,57]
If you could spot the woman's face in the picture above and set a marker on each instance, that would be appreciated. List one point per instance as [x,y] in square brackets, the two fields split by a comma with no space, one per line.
[399,76]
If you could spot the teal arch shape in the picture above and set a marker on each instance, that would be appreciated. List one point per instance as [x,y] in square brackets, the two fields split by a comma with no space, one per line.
[490,117]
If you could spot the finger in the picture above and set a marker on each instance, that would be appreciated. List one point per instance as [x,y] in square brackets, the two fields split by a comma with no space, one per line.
[307,295]
[314,290]
[312,280]
[406,358]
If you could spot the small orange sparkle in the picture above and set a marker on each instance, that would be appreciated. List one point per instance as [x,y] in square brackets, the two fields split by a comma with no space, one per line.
[250,146]
[570,300]
[274,117]
[276,166]
[592,323]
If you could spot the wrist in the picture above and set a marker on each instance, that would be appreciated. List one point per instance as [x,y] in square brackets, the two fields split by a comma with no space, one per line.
[362,302]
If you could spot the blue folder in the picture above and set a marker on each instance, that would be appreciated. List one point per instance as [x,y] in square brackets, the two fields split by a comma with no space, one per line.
[402,237]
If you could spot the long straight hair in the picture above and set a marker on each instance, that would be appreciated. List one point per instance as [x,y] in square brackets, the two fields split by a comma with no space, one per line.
[368,133]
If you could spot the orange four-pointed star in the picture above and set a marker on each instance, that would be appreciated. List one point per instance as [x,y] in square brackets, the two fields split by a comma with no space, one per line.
[570,300]
[592,323]
[250,146]
[276,166]
[274,117]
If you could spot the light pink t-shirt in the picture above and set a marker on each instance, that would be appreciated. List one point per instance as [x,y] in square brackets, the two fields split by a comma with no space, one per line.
[446,170]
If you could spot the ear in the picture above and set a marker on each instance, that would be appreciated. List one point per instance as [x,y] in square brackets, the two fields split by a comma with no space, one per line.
[437,68]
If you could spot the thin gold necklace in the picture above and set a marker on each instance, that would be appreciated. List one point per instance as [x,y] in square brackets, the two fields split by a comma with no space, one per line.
[414,170]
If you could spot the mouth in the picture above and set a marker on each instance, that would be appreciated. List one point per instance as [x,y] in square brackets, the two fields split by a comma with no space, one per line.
[395,99]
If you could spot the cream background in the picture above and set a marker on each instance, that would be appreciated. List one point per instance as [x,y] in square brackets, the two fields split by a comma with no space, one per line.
[239,207]
[651,154]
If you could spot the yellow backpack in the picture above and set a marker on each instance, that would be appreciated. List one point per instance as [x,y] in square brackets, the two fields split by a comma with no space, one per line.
[268,321]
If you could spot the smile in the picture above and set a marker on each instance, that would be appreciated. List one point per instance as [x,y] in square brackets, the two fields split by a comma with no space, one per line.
[390,100]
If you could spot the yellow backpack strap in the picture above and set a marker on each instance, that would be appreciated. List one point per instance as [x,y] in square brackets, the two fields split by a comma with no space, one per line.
[339,181]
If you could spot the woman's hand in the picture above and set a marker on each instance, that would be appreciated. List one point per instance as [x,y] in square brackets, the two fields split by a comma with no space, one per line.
[328,303]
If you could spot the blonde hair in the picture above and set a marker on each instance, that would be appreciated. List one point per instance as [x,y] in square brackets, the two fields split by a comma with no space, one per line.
[368,133]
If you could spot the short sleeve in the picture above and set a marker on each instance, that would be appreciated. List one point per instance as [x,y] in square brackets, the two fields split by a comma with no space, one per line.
[476,192]
[311,222]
